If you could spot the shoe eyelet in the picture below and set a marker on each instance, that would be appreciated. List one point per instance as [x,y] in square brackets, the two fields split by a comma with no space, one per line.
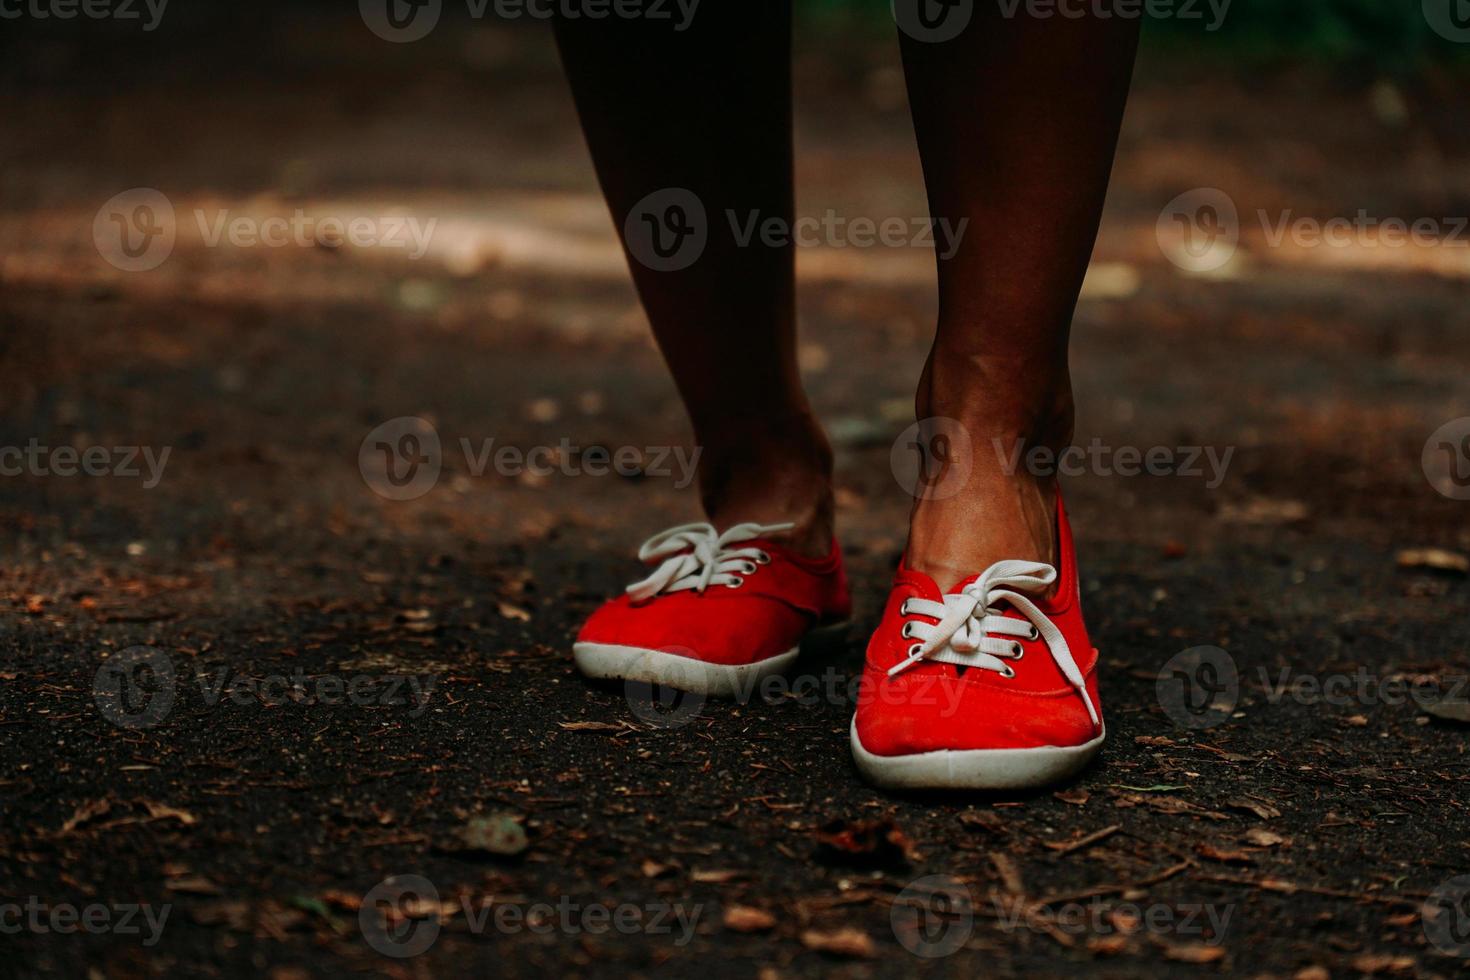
[762,558]
[750,568]
[1009,672]
[914,650]
[905,632]
[1035,633]
[903,608]
[1017,651]
[735,583]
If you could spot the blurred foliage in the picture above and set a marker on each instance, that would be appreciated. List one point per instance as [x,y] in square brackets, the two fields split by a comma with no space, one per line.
[1385,34]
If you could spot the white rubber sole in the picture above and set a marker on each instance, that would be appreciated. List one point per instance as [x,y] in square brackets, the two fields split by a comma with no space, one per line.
[974,768]
[618,663]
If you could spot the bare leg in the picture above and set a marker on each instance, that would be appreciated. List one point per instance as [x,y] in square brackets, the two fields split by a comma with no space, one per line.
[1017,122]
[708,109]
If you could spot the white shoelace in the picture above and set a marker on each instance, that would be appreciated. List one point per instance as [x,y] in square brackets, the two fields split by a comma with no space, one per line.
[697,556]
[970,625]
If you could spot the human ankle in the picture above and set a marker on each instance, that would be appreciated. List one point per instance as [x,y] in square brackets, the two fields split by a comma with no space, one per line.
[772,477]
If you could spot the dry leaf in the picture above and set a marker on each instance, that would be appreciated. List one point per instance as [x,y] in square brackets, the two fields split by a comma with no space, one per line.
[1194,953]
[516,613]
[1264,511]
[717,876]
[1262,837]
[595,726]
[84,813]
[745,918]
[1449,710]
[160,811]
[1073,797]
[1263,810]
[865,843]
[1107,945]
[1435,560]
[842,942]
[498,833]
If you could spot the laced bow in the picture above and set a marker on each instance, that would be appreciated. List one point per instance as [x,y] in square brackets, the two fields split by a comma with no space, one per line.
[696,556]
[971,627]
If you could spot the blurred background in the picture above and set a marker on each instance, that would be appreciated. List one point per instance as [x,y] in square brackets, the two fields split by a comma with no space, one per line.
[488,298]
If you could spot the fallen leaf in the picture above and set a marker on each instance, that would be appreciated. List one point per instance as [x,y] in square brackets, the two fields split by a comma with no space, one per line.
[192,885]
[1435,560]
[653,869]
[868,843]
[1264,511]
[498,833]
[516,613]
[1449,710]
[161,811]
[1263,810]
[1383,963]
[595,726]
[1107,945]
[1261,837]
[1073,797]
[1194,953]
[718,876]
[88,811]
[842,942]
[745,918]
[985,820]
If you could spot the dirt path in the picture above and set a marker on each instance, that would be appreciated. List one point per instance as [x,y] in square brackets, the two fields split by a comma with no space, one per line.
[347,687]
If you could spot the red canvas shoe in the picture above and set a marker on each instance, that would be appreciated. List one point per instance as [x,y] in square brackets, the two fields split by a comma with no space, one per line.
[720,612]
[988,687]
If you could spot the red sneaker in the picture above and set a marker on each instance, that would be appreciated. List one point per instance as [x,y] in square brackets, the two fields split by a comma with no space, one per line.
[985,688]
[720,612]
